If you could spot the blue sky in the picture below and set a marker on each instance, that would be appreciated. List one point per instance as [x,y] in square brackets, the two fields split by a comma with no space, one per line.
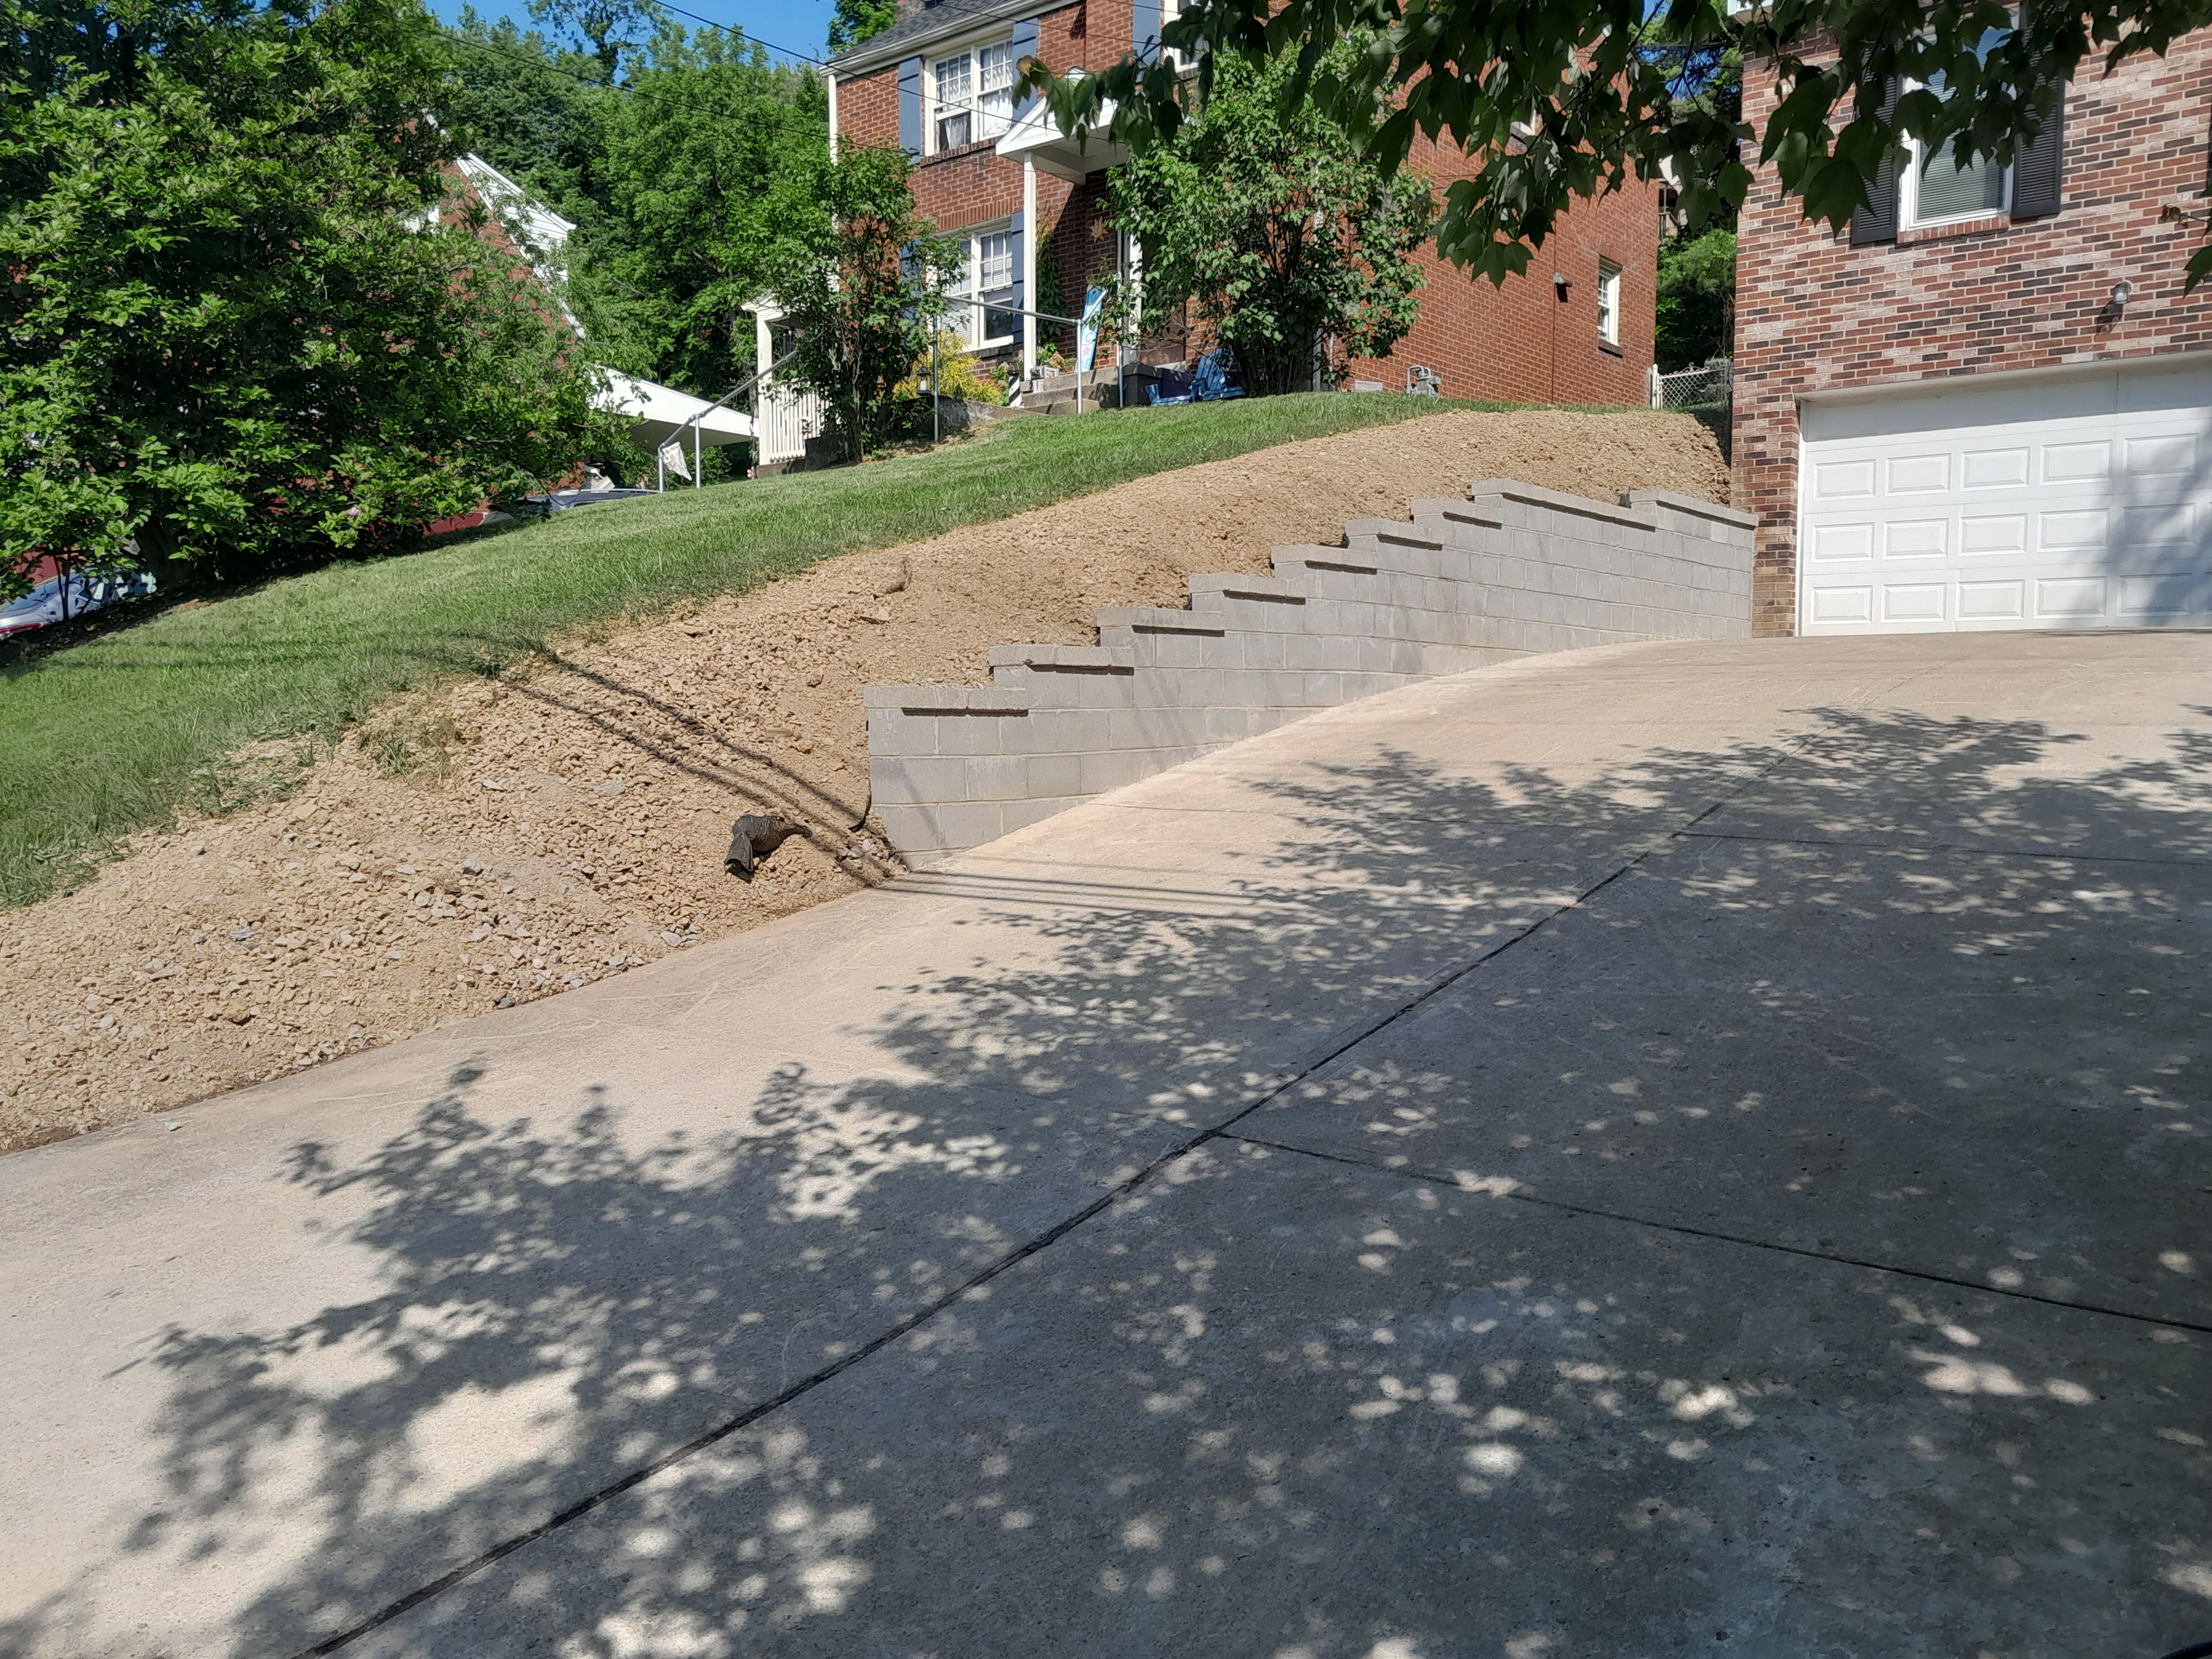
[797,25]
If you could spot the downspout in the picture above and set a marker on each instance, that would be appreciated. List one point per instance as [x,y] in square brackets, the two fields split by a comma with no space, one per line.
[830,77]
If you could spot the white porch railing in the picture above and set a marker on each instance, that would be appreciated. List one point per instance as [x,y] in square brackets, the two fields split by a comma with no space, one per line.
[785,419]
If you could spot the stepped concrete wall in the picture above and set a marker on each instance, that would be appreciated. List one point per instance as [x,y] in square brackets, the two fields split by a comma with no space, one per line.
[1511,570]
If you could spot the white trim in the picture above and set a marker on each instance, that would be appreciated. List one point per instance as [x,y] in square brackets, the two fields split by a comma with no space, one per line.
[980,127]
[968,321]
[1029,266]
[1608,302]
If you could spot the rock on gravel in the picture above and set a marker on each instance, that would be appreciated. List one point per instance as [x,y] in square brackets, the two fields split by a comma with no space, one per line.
[570,822]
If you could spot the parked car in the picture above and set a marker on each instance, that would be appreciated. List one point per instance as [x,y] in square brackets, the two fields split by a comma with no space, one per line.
[59,597]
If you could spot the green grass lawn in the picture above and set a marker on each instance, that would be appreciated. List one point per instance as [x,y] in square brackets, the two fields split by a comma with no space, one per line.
[112,735]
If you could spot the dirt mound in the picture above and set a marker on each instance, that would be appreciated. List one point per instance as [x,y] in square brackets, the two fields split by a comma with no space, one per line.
[494,842]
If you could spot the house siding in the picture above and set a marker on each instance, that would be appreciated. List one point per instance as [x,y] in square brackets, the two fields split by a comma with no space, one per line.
[1815,315]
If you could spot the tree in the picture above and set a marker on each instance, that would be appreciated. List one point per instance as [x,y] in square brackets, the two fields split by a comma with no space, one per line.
[854,21]
[856,272]
[1696,309]
[230,326]
[537,112]
[1284,242]
[666,174]
[608,26]
[694,157]
[1556,102]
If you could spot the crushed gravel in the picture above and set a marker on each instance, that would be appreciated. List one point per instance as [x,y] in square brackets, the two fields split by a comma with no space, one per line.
[495,842]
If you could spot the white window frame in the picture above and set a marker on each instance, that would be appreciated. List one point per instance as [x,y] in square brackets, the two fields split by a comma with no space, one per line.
[1916,158]
[1608,303]
[1908,190]
[968,321]
[990,110]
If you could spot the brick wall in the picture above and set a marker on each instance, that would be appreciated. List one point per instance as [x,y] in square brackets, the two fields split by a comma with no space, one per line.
[975,185]
[1521,342]
[1816,314]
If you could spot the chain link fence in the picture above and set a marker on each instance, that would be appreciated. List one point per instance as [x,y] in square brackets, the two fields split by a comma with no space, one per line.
[1707,392]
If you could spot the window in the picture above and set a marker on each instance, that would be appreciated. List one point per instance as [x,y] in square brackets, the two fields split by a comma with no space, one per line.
[955,92]
[1935,190]
[974,94]
[1608,303]
[987,274]
[995,86]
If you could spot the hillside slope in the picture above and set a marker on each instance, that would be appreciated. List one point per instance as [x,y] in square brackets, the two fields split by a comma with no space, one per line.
[554,825]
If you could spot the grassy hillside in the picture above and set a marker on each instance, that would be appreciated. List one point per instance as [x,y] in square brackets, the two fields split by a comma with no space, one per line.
[112,735]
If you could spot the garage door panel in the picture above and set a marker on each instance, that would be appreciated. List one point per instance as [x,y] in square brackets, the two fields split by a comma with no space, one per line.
[1914,602]
[2077,463]
[1994,469]
[1919,475]
[1993,602]
[2079,501]
[1843,544]
[2069,598]
[2070,532]
[1993,536]
[1915,538]
[1845,481]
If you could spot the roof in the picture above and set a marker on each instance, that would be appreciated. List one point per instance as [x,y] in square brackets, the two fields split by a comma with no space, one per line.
[927,23]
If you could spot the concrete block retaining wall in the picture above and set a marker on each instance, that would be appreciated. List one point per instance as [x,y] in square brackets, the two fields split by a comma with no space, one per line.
[1511,570]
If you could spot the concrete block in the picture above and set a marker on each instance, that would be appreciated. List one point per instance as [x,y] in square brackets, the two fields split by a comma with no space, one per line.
[1115,768]
[977,734]
[1020,814]
[913,780]
[997,777]
[891,732]
[1068,732]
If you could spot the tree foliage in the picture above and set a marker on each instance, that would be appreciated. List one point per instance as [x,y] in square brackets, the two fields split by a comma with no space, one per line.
[856,21]
[855,268]
[1284,242]
[666,174]
[1556,102]
[608,27]
[1696,308]
[226,328]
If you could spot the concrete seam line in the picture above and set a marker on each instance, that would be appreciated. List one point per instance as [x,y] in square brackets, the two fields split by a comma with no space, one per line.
[1446,1179]
[1333,1048]
[1944,847]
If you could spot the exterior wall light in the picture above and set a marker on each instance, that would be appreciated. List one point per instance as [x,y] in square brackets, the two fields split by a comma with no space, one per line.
[2122,293]
[1560,284]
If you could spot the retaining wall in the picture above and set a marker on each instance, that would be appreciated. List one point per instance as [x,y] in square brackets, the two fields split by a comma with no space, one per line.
[1511,570]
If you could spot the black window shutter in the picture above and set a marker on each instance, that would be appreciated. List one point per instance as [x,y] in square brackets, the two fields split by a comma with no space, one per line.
[909,104]
[1024,43]
[1877,221]
[1145,31]
[2038,169]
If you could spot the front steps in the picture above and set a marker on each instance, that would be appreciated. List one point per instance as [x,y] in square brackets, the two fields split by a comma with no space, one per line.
[1511,570]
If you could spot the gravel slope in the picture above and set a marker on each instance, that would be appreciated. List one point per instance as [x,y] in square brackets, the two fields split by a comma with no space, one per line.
[570,822]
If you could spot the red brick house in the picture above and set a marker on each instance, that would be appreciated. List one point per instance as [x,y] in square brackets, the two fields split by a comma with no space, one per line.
[1988,403]
[994,171]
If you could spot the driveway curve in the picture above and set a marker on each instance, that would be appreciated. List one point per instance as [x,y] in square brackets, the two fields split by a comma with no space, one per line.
[1677,1148]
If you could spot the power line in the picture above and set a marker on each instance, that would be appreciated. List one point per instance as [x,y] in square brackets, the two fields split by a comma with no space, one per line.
[540,61]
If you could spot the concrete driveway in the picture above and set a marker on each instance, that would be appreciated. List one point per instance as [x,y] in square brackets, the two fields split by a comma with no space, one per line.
[1674,1149]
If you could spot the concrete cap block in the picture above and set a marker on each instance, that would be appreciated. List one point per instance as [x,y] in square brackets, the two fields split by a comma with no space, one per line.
[946,699]
[1690,505]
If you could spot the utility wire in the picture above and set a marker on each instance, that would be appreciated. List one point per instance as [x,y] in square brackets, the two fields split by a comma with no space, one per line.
[542,61]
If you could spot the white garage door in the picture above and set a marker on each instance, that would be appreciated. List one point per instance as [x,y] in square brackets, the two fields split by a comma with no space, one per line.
[2074,500]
